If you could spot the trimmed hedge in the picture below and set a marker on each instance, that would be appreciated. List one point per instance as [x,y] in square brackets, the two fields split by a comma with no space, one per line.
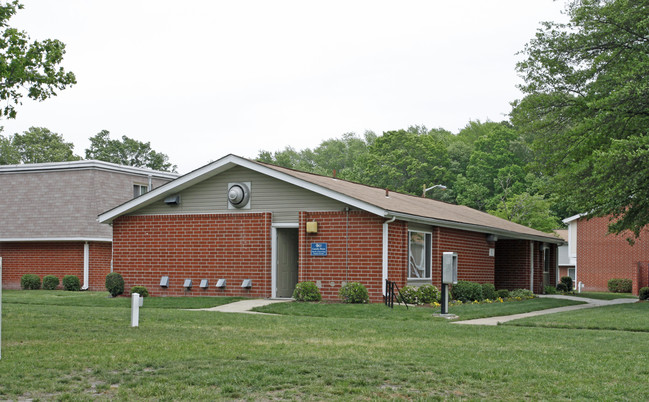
[503,293]
[307,291]
[50,282]
[644,293]
[429,294]
[141,290]
[354,292]
[409,295]
[466,291]
[489,291]
[114,284]
[568,282]
[71,283]
[30,282]
[620,285]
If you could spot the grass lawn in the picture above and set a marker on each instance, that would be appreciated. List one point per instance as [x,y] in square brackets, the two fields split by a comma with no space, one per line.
[605,295]
[621,317]
[86,350]
[400,313]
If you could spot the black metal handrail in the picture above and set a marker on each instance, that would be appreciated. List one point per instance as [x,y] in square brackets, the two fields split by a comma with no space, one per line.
[390,294]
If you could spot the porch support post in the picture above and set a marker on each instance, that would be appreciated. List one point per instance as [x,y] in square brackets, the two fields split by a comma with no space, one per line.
[86,266]
[385,253]
[531,266]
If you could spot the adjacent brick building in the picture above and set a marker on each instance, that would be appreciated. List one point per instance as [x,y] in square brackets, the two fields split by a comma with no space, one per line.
[599,256]
[48,219]
[240,227]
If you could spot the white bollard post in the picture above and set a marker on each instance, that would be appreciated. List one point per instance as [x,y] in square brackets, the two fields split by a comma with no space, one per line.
[135,309]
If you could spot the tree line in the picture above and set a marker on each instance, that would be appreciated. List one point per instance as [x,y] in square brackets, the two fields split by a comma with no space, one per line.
[39,145]
[487,166]
[577,142]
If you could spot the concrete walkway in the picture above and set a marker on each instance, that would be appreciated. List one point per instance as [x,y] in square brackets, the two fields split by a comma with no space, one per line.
[590,303]
[244,306]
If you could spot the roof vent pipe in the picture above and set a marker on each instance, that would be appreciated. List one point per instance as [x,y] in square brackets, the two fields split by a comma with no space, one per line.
[387,193]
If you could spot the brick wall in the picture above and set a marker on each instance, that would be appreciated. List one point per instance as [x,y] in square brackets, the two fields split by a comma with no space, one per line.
[100,255]
[207,246]
[473,261]
[54,258]
[355,251]
[513,265]
[601,256]
[47,258]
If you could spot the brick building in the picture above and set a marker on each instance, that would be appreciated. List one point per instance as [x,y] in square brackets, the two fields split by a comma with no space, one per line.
[48,219]
[598,256]
[239,227]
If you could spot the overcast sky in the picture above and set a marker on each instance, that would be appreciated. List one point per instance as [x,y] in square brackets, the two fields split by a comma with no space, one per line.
[202,79]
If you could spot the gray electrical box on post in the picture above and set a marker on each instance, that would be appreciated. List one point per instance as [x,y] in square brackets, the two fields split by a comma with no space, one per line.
[449,267]
[449,276]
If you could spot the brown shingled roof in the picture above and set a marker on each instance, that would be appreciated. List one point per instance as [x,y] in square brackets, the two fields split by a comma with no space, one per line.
[426,208]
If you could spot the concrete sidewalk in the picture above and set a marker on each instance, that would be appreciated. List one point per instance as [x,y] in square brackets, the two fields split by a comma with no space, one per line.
[590,303]
[244,306]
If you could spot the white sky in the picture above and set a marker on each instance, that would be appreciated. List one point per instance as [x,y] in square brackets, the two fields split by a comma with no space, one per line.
[202,79]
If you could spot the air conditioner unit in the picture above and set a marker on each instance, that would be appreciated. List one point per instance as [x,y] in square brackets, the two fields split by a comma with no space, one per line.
[239,195]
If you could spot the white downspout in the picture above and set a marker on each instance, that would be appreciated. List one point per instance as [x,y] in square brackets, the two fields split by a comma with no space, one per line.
[86,265]
[385,252]
[532,266]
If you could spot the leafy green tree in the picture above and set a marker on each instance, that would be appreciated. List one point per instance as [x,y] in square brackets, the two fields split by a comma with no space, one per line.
[496,167]
[586,109]
[127,152]
[39,145]
[405,161]
[28,68]
[8,154]
[529,210]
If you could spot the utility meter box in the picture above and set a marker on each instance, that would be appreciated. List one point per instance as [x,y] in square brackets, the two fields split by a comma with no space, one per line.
[449,267]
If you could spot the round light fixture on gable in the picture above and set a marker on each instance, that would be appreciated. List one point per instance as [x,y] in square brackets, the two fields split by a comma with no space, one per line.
[238,195]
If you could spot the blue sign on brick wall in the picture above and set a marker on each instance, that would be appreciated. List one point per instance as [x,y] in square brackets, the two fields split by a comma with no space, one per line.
[319,249]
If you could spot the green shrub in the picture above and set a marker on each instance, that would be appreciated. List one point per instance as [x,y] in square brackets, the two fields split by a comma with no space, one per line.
[489,291]
[30,282]
[568,281]
[50,282]
[71,283]
[550,290]
[141,290]
[644,293]
[114,284]
[620,285]
[522,293]
[466,291]
[503,293]
[307,291]
[409,295]
[561,287]
[354,292]
[429,294]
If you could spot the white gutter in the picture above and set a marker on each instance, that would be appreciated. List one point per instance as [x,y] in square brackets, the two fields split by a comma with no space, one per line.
[21,239]
[86,265]
[532,266]
[503,233]
[385,252]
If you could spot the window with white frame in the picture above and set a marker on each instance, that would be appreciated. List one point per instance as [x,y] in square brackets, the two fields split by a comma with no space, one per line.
[419,255]
[139,189]
[572,274]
